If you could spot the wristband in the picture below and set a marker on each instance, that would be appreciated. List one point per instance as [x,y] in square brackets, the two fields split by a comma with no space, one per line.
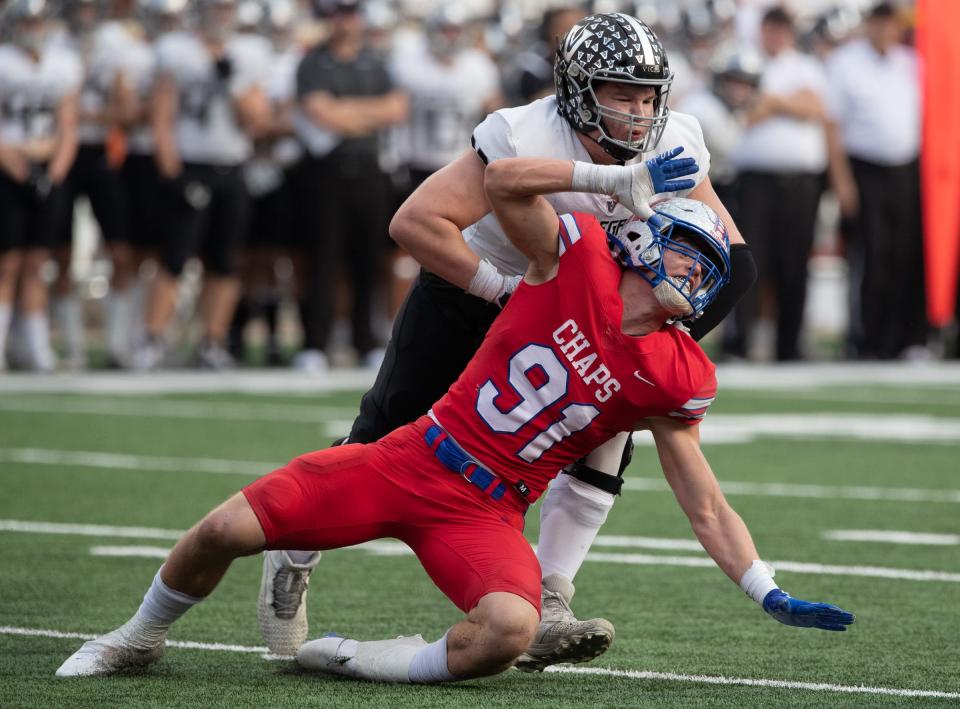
[758,581]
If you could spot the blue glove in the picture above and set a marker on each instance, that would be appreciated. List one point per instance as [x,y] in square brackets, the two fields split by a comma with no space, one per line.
[803,614]
[664,171]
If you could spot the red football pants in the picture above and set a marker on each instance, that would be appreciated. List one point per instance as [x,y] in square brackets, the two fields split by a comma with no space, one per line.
[469,544]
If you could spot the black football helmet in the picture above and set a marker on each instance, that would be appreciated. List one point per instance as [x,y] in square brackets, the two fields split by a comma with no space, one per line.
[612,47]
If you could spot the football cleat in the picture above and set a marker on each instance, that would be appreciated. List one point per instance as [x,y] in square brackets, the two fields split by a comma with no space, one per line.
[377,660]
[107,655]
[282,606]
[561,637]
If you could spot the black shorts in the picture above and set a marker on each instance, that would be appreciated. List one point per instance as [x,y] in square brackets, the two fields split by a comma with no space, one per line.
[142,181]
[203,211]
[271,221]
[103,185]
[436,333]
[30,213]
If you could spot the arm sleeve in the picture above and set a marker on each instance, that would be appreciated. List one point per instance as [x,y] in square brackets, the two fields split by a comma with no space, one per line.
[743,274]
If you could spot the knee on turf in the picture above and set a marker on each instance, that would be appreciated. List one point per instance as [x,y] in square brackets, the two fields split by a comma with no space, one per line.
[506,631]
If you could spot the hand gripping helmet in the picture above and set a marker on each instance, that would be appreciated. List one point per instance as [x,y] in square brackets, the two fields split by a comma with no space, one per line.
[641,246]
[612,47]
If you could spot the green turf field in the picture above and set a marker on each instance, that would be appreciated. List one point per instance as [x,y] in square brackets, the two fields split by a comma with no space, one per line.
[798,463]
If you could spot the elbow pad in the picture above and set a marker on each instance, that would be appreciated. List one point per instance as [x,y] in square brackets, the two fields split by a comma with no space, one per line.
[743,274]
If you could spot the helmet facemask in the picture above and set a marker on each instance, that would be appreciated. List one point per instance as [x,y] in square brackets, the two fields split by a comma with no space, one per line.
[643,249]
[650,127]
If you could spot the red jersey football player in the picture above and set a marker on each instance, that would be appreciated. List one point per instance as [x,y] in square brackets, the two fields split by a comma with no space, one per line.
[585,348]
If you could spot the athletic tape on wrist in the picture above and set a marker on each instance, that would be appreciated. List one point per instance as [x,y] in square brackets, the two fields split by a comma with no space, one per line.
[487,282]
[758,581]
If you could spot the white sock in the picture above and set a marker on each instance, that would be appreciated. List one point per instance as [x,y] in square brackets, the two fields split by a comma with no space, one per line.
[429,665]
[161,606]
[571,514]
[300,557]
[6,317]
[36,332]
[119,323]
[68,313]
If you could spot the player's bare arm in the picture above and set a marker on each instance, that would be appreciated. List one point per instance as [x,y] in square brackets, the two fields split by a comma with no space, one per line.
[428,225]
[67,141]
[723,533]
[163,111]
[254,112]
[515,187]
[718,528]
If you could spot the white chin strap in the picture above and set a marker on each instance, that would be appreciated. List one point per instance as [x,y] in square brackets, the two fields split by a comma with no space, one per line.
[667,292]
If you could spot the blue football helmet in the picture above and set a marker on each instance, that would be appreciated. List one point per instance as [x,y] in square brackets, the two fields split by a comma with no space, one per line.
[640,246]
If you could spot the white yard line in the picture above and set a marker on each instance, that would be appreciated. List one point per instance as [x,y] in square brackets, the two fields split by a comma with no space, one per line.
[163,408]
[395,548]
[891,537]
[186,644]
[596,671]
[802,376]
[742,681]
[716,428]
[838,492]
[122,461]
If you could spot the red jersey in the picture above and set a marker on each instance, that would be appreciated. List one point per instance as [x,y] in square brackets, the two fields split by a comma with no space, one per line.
[556,376]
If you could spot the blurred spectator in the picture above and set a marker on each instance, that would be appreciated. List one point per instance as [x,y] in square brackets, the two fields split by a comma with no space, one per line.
[346,98]
[874,106]
[39,83]
[781,159]
[207,103]
[96,175]
[268,181]
[723,107]
[534,66]
[452,86]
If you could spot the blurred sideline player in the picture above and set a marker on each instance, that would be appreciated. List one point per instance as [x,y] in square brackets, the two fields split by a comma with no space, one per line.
[585,348]
[39,85]
[451,86]
[346,99]
[266,175]
[207,103]
[96,175]
[610,108]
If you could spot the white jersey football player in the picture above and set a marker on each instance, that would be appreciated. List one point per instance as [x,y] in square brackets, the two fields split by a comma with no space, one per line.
[39,84]
[612,81]
[451,87]
[207,105]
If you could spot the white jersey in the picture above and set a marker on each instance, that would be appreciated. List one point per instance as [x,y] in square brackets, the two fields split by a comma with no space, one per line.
[102,55]
[207,130]
[264,172]
[722,130]
[446,102]
[140,67]
[30,92]
[537,130]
